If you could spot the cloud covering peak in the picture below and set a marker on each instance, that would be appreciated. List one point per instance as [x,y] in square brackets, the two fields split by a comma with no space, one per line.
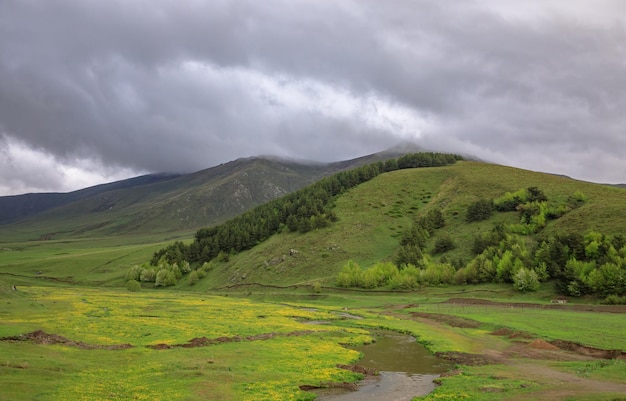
[100,90]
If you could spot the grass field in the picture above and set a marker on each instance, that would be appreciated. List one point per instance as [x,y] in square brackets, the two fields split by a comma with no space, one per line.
[266,349]
[274,352]
[104,342]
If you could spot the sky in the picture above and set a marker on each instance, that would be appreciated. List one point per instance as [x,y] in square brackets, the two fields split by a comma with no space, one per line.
[94,91]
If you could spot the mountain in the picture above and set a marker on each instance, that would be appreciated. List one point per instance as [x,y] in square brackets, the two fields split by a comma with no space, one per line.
[161,203]
[17,207]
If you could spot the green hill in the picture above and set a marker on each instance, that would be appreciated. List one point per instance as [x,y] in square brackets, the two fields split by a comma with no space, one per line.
[373,217]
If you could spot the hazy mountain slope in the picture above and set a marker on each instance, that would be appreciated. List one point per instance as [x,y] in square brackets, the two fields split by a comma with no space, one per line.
[18,207]
[373,216]
[161,203]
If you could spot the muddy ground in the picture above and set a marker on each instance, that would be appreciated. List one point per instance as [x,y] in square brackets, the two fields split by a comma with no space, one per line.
[523,354]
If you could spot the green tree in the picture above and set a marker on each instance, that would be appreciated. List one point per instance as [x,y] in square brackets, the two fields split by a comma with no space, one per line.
[409,255]
[406,279]
[148,275]
[480,210]
[443,244]
[133,285]
[134,273]
[526,280]
[351,275]
[609,279]
[193,278]
[165,278]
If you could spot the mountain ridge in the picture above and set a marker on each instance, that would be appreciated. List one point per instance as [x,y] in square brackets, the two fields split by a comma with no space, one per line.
[168,202]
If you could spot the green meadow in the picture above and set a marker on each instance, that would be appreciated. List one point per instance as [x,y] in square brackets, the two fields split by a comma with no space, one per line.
[266,349]
[107,343]
[71,330]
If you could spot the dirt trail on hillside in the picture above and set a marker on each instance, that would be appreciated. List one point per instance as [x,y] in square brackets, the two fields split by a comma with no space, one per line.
[517,350]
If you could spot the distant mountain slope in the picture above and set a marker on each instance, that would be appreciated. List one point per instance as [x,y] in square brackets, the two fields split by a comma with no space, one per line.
[165,203]
[18,207]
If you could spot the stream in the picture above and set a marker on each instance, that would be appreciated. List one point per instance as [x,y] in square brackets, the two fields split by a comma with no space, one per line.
[407,370]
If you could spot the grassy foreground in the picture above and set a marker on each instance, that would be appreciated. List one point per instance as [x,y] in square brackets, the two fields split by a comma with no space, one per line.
[265,351]
[115,345]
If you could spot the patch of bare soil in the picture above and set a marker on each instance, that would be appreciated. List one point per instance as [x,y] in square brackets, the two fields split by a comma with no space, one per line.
[42,338]
[589,351]
[506,332]
[204,342]
[324,385]
[450,320]
[463,358]
[526,305]
[359,369]
[542,344]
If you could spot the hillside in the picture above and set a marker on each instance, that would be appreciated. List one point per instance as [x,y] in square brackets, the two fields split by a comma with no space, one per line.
[373,217]
[154,204]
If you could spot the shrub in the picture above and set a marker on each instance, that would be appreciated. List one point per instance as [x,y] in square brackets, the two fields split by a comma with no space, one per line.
[579,197]
[480,210]
[406,279]
[509,201]
[148,275]
[207,266]
[443,244]
[466,275]
[185,267]
[378,275]
[525,280]
[193,278]
[409,254]
[350,275]
[134,273]
[609,279]
[165,278]
[437,274]
[615,300]
[133,285]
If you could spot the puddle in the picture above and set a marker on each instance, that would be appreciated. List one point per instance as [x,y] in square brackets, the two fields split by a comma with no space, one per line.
[407,370]
[394,352]
[345,315]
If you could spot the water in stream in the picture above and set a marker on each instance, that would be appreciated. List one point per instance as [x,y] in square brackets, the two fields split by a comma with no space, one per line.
[406,369]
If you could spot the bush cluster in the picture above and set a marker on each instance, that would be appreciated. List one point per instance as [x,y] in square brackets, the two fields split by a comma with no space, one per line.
[409,277]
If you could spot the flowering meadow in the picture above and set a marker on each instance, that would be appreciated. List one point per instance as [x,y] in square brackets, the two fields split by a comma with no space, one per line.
[114,345]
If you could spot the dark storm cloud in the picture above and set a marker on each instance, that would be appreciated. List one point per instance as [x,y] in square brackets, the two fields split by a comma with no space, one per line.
[102,89]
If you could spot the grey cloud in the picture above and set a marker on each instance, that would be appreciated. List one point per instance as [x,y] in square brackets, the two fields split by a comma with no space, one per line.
[163,86]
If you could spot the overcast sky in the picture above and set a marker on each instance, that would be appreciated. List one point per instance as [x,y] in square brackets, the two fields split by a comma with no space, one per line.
[99,90]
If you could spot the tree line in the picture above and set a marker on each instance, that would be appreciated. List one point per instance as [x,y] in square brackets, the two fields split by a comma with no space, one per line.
[307,209]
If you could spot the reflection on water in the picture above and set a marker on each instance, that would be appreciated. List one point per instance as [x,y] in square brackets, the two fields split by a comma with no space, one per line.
[394,352]
[406,369]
